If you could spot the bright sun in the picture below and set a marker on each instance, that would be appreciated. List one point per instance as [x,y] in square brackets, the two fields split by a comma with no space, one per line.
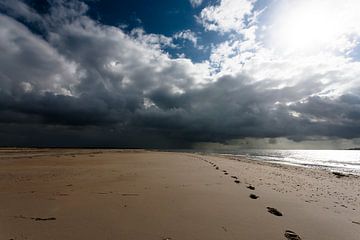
[308,26]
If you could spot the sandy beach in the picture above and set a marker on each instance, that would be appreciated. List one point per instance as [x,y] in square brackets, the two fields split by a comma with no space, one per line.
[147,195]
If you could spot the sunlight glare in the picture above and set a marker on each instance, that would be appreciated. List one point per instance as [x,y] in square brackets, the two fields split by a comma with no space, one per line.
[311,26]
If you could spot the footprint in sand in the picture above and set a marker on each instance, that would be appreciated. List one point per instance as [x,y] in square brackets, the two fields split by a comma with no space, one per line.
[290,235]
[253,196]
[235,177]
[251,187]
[43,219]
[236,181]
[274,211]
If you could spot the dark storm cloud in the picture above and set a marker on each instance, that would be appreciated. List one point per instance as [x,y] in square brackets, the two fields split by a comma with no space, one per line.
[87,84]
[230,108]
[338,117]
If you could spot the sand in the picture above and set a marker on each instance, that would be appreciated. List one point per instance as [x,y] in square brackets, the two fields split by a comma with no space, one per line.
[144,195]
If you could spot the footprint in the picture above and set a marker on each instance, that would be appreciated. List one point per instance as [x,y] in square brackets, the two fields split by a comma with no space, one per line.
[290,235]
[43,219]
[339,175]
[237,181]
[274,211]
[235,177]
[251,187]
[217,168]
[253,196]
[226,173]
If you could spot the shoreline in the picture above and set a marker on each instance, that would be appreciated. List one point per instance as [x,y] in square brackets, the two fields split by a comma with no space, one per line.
[139,194]
[310,167]
[343,170]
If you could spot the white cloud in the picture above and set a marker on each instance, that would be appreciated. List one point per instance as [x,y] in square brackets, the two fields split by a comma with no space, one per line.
[28,58]
[187,35]
[228,16]
[80,55]
[195,3]
[157,41]
[247,53]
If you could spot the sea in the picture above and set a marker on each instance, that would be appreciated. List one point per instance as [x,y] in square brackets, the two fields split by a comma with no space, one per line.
[344,161]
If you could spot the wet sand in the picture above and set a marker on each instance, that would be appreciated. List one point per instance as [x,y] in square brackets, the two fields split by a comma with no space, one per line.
[112,194]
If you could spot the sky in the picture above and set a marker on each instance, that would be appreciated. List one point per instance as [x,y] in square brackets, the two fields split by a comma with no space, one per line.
[180,74]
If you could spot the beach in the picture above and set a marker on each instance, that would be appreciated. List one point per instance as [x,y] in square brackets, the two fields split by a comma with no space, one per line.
[154,195]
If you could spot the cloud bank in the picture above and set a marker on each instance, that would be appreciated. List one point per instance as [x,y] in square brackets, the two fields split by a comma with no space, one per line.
[68,80]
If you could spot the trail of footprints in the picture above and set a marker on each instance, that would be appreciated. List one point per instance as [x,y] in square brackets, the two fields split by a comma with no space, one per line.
[289,235]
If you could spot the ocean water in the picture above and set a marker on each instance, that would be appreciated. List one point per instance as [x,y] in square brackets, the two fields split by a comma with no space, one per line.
[346,161]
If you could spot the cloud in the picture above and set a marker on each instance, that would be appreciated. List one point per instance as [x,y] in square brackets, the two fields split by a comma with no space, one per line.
[84,83]
[156,41]
[189,36]
[228,15]
[29,63]
[195,3]
[84,73]
[19,9]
